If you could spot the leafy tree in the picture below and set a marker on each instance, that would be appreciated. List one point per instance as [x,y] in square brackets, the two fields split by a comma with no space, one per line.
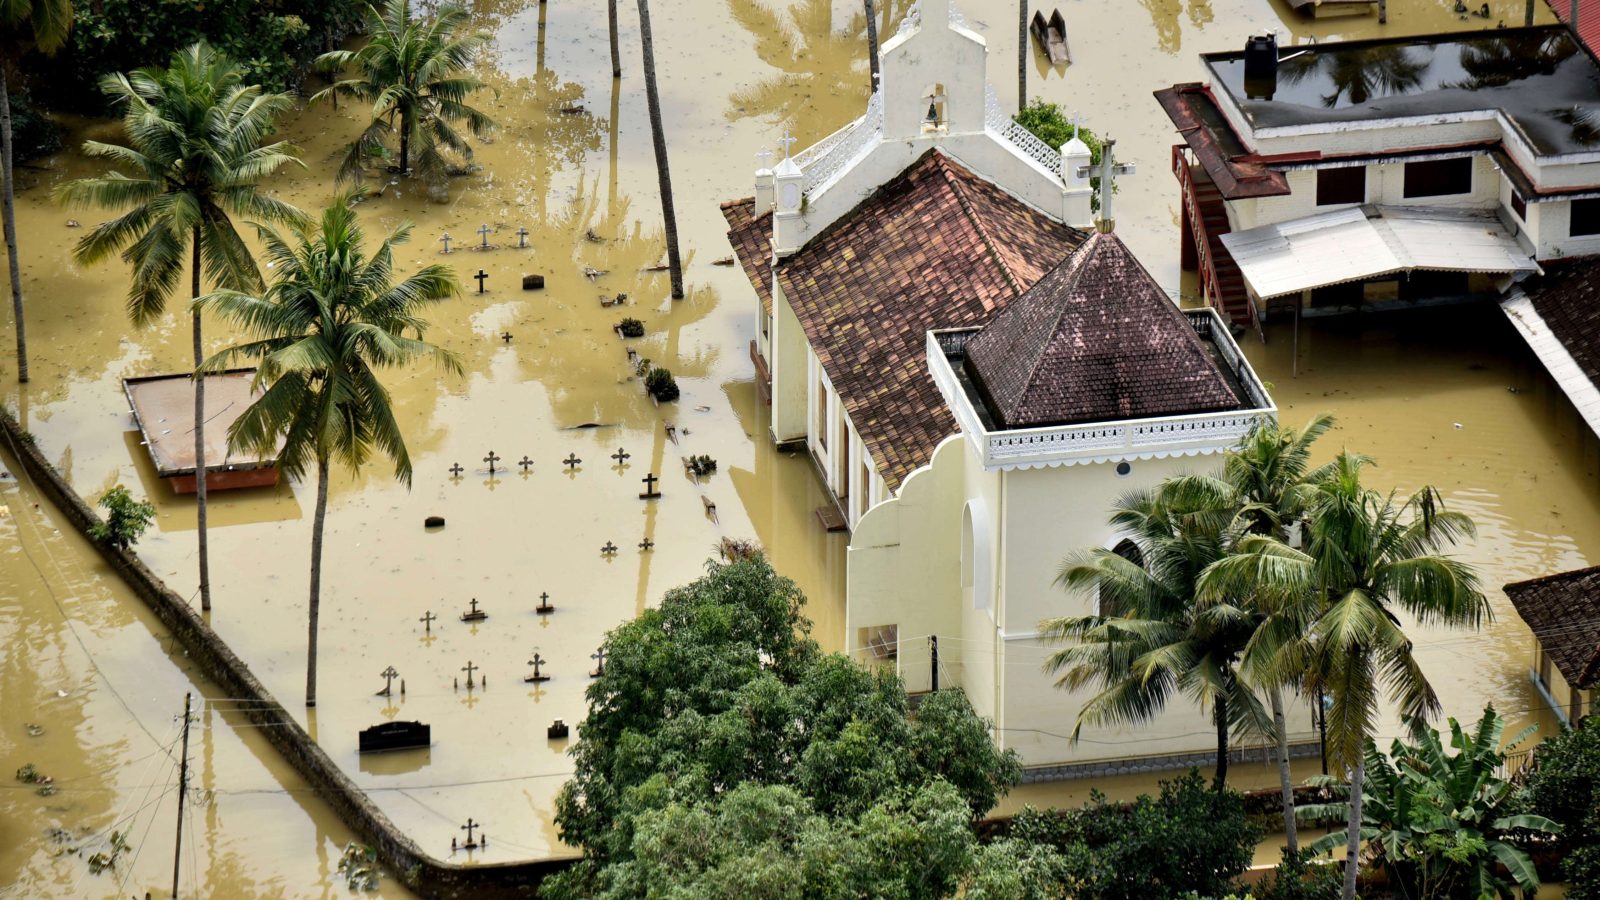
[195,151]
[1187,839]
[126,519]
[721,687]
[1565,787]
[1149,640]
[44,24]
[1366,559]
[332,317]
[413,73]
[1050,124]
[1298,878]
[1443,825]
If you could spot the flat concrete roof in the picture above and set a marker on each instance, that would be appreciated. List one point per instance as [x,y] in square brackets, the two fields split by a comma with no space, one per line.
[163,408]
[1538,77]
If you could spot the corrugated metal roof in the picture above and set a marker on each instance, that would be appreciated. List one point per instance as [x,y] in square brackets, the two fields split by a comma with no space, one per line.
[1588,20]
[1366,242]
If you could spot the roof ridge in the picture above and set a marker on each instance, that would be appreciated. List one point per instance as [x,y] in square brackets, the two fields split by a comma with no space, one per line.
[960,190]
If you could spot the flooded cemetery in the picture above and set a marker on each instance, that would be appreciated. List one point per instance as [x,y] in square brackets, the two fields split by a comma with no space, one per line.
[564,499]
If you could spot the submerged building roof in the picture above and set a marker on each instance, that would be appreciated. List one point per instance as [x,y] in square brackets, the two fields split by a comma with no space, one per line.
[163,410]
[1095,340]
[935,247]
[1564,612]
[1538,78]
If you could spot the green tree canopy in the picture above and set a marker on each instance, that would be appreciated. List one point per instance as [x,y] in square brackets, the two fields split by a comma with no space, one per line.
[1565,787]
[721,687]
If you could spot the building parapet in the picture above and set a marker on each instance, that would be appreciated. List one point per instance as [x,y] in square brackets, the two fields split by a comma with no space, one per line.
[1098,442]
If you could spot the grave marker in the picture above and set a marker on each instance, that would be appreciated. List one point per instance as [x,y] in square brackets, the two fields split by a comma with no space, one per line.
[394,736]
[388,675]
[609,550]
[522,238]
[475,614]
[621,456]
[481,276]
[537,677]
[544,607]
[427,621]
[599,657]
[446,240]
[525,463]
[455,472]
[469,668]
[650,492]
[571,462]
[647,545]
[491,459]
[483,232]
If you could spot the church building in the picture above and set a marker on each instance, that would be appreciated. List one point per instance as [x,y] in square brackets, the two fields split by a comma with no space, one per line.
[978,368]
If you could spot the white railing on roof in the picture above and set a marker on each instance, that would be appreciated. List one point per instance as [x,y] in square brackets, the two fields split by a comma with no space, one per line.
[995,118]
[843,146]
[1097,442]
[820,149]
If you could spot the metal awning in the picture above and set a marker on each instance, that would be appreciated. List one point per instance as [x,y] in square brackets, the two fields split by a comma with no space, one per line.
[1358,243]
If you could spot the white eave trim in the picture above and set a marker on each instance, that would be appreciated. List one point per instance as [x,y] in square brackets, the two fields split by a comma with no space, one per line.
[1553,353]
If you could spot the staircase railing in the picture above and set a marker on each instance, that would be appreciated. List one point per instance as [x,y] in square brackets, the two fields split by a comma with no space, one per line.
[1210,284]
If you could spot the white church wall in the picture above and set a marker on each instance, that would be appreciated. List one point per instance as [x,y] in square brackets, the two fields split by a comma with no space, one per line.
[788,357]
[903,569]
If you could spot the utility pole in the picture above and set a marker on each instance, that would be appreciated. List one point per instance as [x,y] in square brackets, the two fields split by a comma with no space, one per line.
[183,788]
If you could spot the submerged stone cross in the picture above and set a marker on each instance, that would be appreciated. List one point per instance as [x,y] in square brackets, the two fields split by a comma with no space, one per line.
[469,668]
[483,232]
[522,238]
[446,240]
[388,675]
[491,459]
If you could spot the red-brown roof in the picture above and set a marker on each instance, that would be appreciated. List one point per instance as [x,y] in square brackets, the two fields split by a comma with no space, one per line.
[1564,612]
[936,247]
[1096,340]
[1217,147]
[751,237]
[1588,20]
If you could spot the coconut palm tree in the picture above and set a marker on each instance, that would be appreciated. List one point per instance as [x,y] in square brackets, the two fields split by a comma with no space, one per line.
[1022,55]
[194,157]
[872,42]
[332,317]
[1149,640]
[1266,480]
[1366,559]
[412,72]
[616,56]
[663,172]
[43,24]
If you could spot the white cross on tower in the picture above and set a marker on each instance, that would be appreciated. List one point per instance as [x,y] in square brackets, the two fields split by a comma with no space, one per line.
[787,141]
[1077,122]
[1109,169]
[764,159]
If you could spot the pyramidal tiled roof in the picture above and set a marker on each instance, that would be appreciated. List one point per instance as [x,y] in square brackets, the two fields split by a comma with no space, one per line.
[1094,340]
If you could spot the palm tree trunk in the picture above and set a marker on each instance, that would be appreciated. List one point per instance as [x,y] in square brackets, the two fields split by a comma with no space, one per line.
[1022,55]
[1280,725]
[405,140]
[1352,863]
[11,226]
[1220,711]
[674,263]
[200,441]
[872,42]
[616,57]
[317,521]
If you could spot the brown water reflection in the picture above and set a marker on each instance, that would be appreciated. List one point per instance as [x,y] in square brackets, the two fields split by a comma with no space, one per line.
[734,75]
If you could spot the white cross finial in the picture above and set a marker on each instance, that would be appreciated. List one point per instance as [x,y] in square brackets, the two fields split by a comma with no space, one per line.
[764,159]
[1109,170]
[787,141]
[1077,121]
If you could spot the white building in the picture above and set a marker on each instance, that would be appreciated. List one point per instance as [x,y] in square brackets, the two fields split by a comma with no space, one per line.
[973,392]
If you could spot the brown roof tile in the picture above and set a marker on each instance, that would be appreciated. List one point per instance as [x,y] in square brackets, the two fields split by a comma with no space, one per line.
[1567,297]
[1095,340]
[936,247]
[751,237]
[1564,612]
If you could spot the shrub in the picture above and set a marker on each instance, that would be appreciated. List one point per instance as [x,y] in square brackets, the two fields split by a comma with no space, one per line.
[1190,838]
[661,385]
[631,327]
[1565,786]
[1296,878]
[126,519]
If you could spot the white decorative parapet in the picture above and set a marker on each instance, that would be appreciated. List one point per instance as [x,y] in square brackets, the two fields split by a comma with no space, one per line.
[913,19]
[834,153]
[1027,448]
[996,120]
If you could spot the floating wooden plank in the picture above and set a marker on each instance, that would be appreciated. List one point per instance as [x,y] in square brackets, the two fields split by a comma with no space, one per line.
[831,518]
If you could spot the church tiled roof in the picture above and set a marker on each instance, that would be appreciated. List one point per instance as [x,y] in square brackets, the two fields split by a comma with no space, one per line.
[936,247]
[751,237]
[1095,340]
[1564,612]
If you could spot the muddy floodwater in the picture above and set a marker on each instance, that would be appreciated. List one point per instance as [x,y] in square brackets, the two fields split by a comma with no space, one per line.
[92,686]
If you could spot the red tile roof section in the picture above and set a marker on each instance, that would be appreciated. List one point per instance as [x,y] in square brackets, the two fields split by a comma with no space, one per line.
[751,237]
[1564,612]
[1588,20]
[1096,340]
[936,247]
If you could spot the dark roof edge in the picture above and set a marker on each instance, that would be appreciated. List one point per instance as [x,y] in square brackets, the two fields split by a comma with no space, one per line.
[1440,37]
